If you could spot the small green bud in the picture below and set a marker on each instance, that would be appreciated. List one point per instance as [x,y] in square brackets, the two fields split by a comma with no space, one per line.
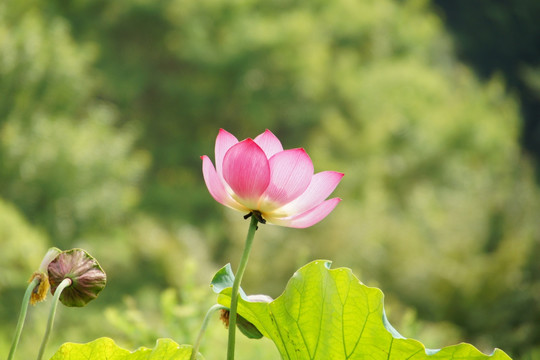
[88,278]
[247,328]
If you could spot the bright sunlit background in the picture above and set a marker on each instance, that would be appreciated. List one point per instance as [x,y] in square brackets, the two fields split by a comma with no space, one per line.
[107,106]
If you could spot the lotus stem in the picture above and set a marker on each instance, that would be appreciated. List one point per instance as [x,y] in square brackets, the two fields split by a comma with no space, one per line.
[204,325]
[236,286]
[65,283]
[22,316]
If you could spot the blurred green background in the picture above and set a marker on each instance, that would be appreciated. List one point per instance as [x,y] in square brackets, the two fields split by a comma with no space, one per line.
[431,109]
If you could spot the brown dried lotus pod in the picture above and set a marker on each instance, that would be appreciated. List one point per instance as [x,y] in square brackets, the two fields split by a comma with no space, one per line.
[88,278]
[40,291]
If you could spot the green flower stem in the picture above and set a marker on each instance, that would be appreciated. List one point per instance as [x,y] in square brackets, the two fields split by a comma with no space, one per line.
[210,312]
[64,284]
[236,286]
[22,316]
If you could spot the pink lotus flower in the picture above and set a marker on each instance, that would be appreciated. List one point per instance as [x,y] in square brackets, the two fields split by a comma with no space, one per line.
[259,177]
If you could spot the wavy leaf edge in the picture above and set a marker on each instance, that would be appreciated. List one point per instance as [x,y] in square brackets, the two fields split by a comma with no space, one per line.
[224,278]
[108,345]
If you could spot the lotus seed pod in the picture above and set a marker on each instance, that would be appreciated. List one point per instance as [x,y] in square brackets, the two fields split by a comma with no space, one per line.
[88,278]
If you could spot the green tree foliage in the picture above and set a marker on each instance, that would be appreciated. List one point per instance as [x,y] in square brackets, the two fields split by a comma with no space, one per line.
[502,37]
[64,162]
[26,247]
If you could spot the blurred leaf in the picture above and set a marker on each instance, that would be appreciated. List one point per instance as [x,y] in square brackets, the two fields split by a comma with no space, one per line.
[106,349]
[330,314]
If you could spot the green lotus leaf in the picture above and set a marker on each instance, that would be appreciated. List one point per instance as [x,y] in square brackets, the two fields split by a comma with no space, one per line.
[329,314]
[106,349]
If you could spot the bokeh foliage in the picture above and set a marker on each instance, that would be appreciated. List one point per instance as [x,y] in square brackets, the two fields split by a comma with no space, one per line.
[502,37]
[105,108]
[64,162]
